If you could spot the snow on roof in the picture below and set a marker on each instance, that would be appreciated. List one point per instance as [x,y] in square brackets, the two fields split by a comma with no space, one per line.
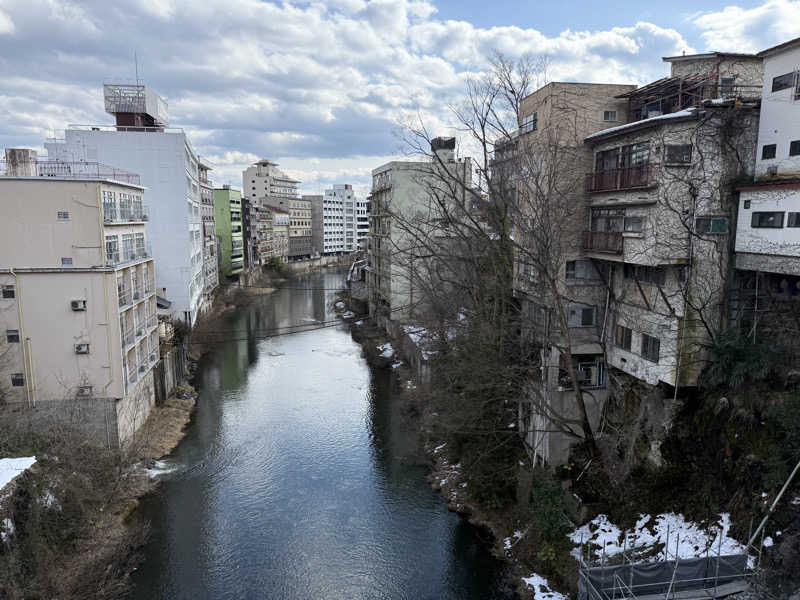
[681,114]
[11,467]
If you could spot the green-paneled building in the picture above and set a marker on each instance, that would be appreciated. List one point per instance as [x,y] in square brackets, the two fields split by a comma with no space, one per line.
[228,213]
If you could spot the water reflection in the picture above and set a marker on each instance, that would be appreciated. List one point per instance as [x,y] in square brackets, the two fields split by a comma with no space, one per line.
[300,477]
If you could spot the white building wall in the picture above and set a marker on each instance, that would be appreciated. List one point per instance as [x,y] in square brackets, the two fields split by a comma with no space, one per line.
[168,169]
[780,116]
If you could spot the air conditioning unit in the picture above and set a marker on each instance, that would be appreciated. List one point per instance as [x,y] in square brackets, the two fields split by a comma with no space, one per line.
[81,348]
[77,305]
[83,391]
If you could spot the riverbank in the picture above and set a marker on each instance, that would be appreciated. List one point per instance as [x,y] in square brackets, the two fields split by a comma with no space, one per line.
[70,523]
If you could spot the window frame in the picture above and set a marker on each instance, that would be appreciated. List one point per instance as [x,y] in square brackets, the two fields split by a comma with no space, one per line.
[17,379]
[793,219]
[62,215]
[756,215]
[633,219]
[711,222]
[608,113]
[773,148]
[623,337]
[794,148]
[8,292]
[648,341]
[779,83]
[683,152]
[12,333]
[530,122]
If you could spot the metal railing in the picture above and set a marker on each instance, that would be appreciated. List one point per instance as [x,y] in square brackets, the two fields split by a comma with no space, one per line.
[637,176]
[602,241]
[152,321]
[68,170]
[127,337]
[137,292]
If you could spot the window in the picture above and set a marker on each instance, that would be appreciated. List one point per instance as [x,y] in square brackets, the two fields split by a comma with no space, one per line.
[112,249]
[711,225]
[782,82]
[645,274]
[530,122]
[610,115]
[747,204]
[634,224]
[650,348]
[127,246]
[624,337]
[772,220]
[679,154]
[793,220]
[66,261]
[12,336]
[768,151]
[17,379]
[794,148]
[9,291]
[570,270]
[635,154]
[62,215]
[726,85]
[581,316]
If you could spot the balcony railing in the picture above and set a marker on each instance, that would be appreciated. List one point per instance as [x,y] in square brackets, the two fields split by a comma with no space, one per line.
[127,337]
[149,287]
[132,375]
[602,241]
[152,321]
[125,214]
[68,170]
[137,292]
[637,176]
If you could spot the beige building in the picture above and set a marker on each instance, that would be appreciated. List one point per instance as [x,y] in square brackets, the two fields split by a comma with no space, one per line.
[77,295]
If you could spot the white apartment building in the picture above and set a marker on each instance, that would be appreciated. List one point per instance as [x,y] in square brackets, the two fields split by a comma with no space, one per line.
[142,142]
[345,220]
[78,324]
[210,250]
[767,278]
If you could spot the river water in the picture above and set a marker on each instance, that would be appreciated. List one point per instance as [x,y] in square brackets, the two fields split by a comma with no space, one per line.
[301,479]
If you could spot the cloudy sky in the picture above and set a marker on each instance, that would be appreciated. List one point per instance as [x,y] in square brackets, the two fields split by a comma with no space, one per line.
[321,86]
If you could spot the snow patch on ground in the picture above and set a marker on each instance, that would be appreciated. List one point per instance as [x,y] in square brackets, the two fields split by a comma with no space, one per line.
[359,322]
[349,315]
[398,364]
[6,529]
[439,448]
[541,590]
[339,305]
[687,539]
[11,467]
[410,385]
[386,350]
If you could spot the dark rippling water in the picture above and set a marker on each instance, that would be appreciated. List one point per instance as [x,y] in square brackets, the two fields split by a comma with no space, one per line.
[299,478]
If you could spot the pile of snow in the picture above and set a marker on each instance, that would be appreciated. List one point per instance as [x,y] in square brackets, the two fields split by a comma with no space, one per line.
[415,333]
[349,314]
[359,322]
[541,590]
[510,541]
[439,448]
[339,305]
[410,385]
[11,467]
[386,350]
[397,364]
[687,539]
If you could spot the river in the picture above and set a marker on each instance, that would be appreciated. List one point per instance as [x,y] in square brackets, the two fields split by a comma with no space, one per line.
[299,478]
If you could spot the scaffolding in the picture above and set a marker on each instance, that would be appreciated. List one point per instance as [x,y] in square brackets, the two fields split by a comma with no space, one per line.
[666,577]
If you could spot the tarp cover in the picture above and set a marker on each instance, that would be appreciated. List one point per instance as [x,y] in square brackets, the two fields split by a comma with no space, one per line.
[598,583]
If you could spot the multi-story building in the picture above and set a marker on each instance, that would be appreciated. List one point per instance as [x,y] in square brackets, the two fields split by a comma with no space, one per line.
[316,224]
[228,222]
[78,324]
[210,251]
[250,210]
[141,141]
[264,231]
[642,256]
[280,233]
[399,190]
[264,185]
[345,221]
[767,277]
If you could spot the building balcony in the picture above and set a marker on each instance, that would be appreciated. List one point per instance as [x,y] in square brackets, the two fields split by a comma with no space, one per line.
[637,176]
[124,297]
[607,242]
[152,321]
[149,287]
[125,214]
[138,291]
[127,338]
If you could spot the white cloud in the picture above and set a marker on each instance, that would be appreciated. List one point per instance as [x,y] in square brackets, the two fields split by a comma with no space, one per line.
[736,29]
[315,82]
[6,24]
